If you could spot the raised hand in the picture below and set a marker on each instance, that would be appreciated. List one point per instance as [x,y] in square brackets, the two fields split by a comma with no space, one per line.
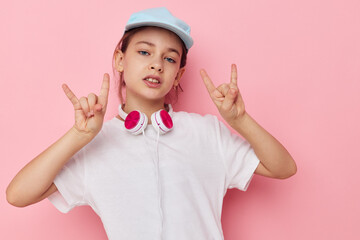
[90,110]
[226,97]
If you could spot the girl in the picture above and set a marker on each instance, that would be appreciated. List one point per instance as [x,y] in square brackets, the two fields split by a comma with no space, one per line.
[165,181]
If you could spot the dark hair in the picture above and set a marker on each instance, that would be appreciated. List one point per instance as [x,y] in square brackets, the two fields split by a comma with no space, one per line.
[123,44]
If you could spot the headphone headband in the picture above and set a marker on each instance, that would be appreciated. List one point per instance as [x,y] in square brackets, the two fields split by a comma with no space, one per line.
[123,114]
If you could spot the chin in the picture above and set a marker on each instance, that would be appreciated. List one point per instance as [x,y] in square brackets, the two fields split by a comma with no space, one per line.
[155,95]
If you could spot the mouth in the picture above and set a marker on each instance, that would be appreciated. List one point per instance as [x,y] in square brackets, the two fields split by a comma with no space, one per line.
[152,81]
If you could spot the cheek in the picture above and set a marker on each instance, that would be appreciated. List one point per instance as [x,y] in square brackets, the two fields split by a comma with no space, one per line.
[126,64]
[174,74]
[130,60]
[130,69]
[173,70]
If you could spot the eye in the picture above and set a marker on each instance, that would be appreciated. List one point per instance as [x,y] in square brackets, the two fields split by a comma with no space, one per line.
[170,60]
[144,53]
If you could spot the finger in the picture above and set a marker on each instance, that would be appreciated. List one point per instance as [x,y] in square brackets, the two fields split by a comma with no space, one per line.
[223,89]
[71,96]
[229,100]
[98,108]
[85,106]
[104,91]
[233,79]
[92,100]
[207,81]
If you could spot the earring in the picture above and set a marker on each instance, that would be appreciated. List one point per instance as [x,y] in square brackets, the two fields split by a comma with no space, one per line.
[177,87]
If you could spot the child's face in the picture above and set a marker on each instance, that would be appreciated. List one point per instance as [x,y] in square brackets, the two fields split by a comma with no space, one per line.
[151,64]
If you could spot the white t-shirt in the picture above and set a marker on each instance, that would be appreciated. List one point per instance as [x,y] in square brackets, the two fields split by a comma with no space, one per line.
[167,187]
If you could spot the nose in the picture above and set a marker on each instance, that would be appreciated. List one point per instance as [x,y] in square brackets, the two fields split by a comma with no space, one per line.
[157,66]
[159,69]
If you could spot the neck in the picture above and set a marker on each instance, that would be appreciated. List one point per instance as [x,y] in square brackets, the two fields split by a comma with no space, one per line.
[147,107]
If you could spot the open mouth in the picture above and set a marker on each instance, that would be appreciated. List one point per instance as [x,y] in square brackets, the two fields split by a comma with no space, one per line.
[152,80]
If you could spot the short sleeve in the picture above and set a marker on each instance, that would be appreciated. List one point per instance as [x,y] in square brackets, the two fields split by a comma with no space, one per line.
[239,158]
[70,183]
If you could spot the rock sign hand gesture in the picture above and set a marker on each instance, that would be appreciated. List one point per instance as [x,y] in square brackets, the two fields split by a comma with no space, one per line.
[90,111]
[226,97]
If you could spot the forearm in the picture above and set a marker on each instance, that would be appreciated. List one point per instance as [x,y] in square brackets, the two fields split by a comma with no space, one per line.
[273,156]
[37,176]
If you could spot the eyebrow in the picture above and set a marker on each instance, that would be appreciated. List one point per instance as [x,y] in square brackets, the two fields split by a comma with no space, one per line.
[153,45]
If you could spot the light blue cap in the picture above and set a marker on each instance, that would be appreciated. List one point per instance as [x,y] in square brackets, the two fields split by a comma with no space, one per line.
[161,17]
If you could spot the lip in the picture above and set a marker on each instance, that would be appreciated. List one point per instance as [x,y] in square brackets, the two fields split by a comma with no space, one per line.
[151,84]
[154,77]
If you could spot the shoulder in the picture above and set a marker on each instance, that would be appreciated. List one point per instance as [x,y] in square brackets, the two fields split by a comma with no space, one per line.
[196,121]
[195,117]
[111,125]
[110,130]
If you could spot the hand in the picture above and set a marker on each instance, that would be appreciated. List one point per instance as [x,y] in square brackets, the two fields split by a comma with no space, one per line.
[90,111]
[226,97]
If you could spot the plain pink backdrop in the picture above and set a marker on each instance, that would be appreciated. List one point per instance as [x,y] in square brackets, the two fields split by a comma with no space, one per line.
[299,74]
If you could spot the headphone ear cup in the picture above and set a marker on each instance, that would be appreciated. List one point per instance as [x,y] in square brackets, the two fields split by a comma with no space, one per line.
[162,121]
[136,122]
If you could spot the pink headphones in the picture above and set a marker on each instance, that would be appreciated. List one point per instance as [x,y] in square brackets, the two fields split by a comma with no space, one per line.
[136,121]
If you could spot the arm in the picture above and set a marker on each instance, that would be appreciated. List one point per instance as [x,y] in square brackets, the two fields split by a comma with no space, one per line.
[34,182]
[275,161]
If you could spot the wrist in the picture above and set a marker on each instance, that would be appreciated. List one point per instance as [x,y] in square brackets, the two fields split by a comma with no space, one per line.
[242,124]
[239,121]
[81,136]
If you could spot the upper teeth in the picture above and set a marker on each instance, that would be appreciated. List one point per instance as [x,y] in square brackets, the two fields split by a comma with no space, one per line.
[152,80]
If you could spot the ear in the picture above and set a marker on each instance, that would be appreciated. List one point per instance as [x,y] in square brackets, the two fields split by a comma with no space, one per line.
[119,57]
[178,76]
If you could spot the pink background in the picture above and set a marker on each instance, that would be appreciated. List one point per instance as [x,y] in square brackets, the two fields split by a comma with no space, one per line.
[299,74]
